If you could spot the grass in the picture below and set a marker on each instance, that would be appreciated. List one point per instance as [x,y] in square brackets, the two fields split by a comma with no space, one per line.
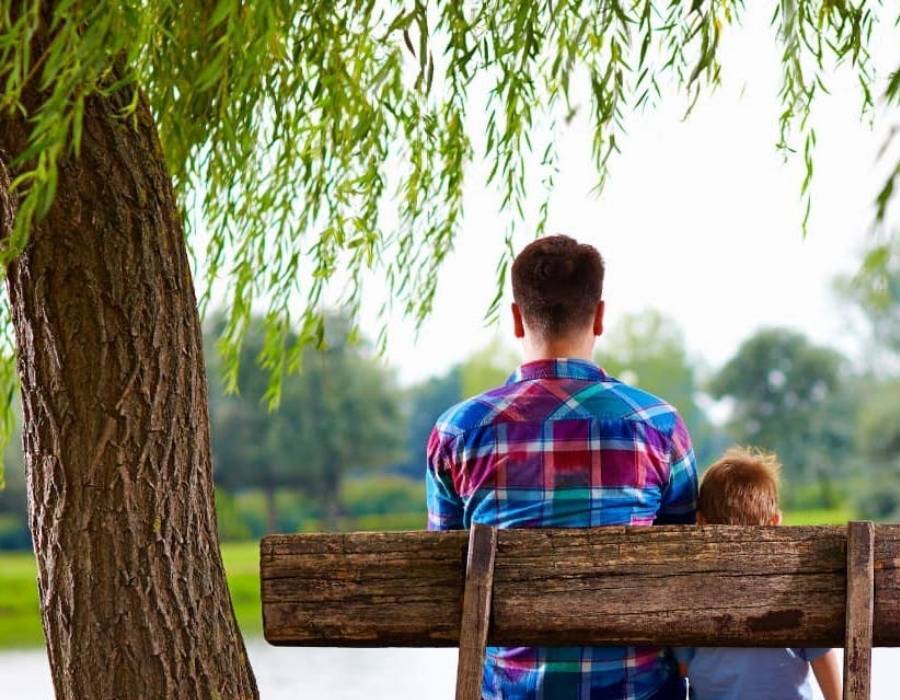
[20,618]
[242,567]
[819,516]
[20,622]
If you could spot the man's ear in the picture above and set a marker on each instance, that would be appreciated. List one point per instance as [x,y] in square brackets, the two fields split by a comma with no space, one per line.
[518,324]
[776,519]
[598,318]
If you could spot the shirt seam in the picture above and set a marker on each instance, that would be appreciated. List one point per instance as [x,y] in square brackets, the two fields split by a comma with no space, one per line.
[458,432]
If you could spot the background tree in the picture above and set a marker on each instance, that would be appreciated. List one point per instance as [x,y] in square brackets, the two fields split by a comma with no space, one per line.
[789,397]
[648,349]
[485,368]
[425,402]
[339,411]
[876,297]
[488,367]
[278,123]
[879,450]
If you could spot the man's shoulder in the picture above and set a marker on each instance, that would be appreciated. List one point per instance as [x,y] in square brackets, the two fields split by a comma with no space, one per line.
[473,412]
[606,399]
[614,399]
[640,403]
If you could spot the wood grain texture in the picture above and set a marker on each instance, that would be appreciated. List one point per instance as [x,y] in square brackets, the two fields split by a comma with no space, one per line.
[363,589]
[860,605]
[699,586]
[476,615]
[887,585]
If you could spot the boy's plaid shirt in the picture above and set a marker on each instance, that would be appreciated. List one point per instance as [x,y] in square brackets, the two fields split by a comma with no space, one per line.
[562,444]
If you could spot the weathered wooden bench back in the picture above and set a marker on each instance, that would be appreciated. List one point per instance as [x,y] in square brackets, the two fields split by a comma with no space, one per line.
[697,586]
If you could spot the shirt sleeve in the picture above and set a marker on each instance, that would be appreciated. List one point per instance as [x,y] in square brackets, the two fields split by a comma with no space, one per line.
[445,507]
[679,497]
[683,655]
[811,654]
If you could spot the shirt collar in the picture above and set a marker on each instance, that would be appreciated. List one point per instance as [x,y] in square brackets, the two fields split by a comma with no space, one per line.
[558,368]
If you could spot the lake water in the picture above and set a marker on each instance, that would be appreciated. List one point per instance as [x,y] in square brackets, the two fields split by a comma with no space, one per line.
[350,674]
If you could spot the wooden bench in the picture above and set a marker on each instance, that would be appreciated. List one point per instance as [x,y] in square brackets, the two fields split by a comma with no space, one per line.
[690,586]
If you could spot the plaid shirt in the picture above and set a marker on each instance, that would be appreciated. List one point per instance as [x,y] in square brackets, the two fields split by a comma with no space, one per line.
[562,444]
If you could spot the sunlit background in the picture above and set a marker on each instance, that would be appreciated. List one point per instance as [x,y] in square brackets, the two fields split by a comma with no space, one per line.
[715,300]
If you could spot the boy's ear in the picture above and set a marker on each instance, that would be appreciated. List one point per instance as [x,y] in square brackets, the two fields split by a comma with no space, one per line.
[776,519]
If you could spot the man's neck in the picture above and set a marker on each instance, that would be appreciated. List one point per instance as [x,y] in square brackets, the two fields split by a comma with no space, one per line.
[550,350]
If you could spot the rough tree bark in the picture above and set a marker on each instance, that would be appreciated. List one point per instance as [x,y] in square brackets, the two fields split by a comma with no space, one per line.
[116,434]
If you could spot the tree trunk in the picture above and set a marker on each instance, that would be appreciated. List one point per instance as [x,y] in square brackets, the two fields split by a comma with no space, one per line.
[116,433]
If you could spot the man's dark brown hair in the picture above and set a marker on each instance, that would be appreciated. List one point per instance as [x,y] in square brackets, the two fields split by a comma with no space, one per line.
[557,283]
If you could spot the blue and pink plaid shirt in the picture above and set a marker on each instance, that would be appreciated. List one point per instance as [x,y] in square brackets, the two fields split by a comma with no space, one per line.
[562,444]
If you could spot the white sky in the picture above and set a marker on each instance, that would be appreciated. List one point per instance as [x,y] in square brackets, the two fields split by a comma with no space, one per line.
[700,218]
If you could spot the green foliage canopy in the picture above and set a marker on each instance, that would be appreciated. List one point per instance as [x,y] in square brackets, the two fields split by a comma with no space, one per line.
[789,396]
[339,412]
[281,121]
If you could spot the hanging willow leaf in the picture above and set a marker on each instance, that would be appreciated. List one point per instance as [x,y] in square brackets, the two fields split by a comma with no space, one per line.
[313,145]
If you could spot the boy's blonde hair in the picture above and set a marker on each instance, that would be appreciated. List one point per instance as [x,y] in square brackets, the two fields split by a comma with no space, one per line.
[741,488]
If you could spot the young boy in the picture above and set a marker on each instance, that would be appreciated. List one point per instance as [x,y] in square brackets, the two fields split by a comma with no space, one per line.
[742,489]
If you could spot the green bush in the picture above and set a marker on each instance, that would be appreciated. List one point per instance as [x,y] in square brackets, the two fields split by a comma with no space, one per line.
[13,533]
[881,504]
[382,495]
[824,494]
[395,521]
[232,524]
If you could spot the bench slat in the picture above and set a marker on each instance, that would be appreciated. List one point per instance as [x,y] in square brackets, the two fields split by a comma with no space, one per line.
[713,585]
[476,615]
[860,588]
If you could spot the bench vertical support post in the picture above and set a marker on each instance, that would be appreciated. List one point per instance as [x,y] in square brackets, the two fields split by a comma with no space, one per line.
[476,612]
[860,600]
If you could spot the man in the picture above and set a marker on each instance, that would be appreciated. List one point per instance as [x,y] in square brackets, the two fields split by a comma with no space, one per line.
[562,444]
